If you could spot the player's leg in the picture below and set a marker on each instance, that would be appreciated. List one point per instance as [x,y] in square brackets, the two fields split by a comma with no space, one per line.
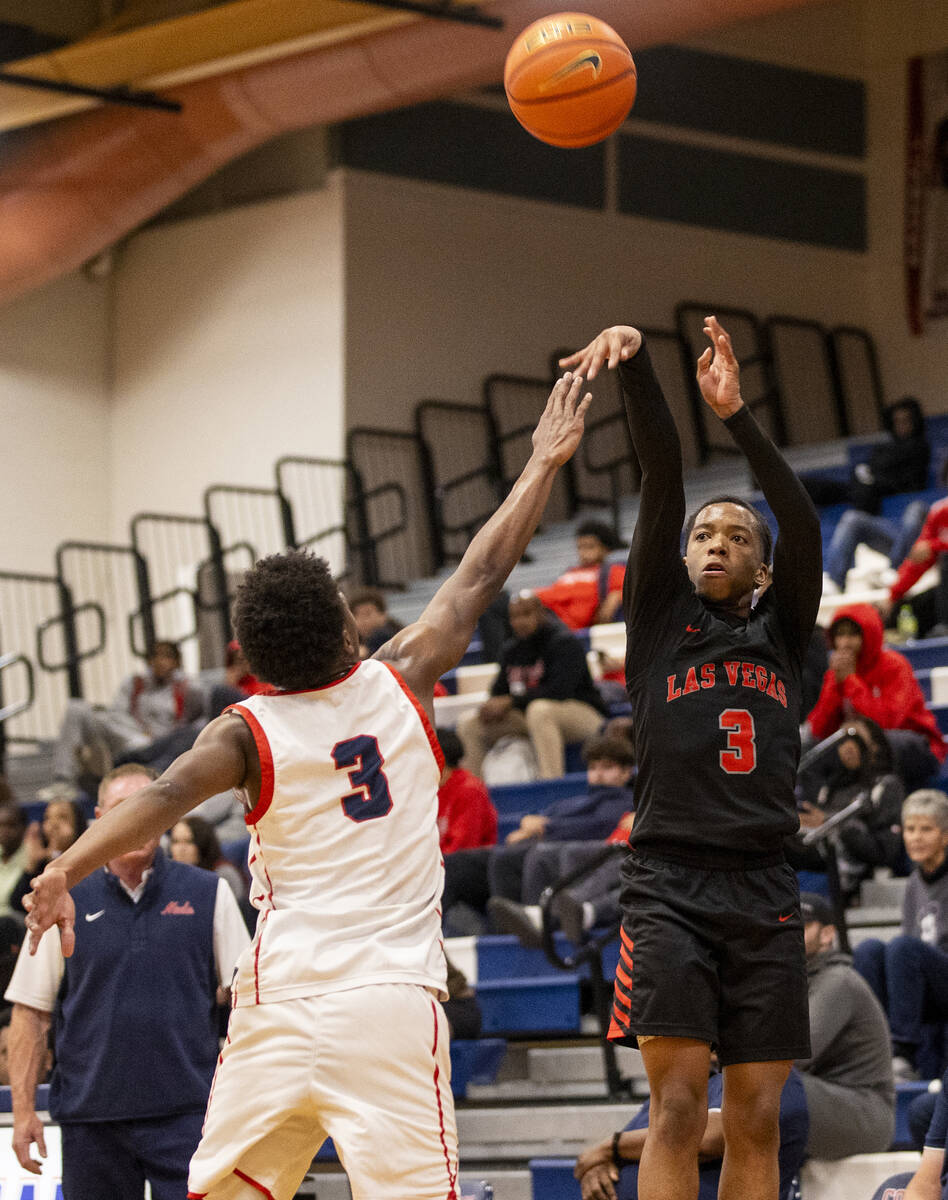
[382,1083]
[262,1129]
[751,1118]
[677,1070]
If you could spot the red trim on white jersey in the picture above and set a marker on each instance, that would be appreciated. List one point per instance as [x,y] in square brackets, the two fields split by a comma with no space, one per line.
[323,686]
[266,764]
[425,720]
[452,1174]
[253,1183]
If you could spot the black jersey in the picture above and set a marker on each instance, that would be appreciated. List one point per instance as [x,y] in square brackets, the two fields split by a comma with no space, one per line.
[715,698]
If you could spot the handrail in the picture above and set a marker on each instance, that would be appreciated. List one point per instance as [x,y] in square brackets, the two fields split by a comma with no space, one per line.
[18,706]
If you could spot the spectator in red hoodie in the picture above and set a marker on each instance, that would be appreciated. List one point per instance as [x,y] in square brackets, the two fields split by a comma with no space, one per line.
[466,815]
[590,593]
[866,678]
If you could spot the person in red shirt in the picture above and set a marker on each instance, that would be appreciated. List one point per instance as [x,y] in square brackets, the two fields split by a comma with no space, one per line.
[866,678]
[931,542]
[466,816]
[590,593]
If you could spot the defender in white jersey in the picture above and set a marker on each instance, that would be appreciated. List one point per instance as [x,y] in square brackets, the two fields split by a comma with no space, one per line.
[337,1030]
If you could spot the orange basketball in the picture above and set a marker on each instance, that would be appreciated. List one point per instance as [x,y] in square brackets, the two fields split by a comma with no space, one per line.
[570,79]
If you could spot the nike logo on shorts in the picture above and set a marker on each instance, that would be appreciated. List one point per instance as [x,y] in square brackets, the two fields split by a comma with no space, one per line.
[95,916]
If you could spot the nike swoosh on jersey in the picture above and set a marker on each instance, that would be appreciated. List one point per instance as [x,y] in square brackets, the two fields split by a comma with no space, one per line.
[693,628]
[588,58]
[95,916]
[786,918]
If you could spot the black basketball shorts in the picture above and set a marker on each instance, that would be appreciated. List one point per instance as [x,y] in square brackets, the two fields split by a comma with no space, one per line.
[715,955]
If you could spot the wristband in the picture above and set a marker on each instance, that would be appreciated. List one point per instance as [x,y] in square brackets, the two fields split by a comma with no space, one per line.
[617,1160]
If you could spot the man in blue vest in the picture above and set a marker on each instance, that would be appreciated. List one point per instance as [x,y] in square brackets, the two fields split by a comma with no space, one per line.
[135,1020]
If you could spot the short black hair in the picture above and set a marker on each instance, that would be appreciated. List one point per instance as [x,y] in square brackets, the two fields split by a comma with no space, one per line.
[601,530]
[451,746]
[758,518]
[289,618]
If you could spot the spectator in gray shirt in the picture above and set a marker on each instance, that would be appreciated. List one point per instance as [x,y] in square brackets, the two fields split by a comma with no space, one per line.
[847,1079]
[910,973]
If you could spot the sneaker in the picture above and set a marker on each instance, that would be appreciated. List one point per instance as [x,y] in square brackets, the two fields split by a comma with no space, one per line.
[508,916]
[59,789]
[571,915]
[903,1071]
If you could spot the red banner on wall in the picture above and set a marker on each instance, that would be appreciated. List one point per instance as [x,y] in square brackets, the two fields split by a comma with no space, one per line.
[926,192]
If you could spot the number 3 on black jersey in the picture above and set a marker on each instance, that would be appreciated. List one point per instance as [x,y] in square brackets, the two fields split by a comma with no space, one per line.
[372,797]
[740,757]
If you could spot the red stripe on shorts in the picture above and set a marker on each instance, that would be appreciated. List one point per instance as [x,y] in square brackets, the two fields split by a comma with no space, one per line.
[253,1183]
[452,1174]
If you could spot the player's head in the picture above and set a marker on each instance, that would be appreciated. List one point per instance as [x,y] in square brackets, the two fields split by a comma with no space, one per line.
[451,747]
[525,614]
[925,827]
[594,540]
[819,931]
[728,547]
[293,623]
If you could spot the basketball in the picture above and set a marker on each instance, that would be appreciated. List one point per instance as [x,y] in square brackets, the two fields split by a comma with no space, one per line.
[570,79]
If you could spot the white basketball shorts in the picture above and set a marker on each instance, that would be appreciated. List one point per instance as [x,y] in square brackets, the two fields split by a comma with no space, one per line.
[368,1067]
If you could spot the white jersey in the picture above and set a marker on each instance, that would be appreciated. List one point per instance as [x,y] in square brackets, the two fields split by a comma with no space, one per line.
[347,871]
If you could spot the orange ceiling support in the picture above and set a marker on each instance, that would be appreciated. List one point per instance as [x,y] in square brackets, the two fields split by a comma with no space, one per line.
[70,188]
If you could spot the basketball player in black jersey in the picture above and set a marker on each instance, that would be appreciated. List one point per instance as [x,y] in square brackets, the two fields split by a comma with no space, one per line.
[712,941]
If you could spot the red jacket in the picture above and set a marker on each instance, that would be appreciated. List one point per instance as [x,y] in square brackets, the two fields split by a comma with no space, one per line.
[883,688]
[575,597]
[466,815]
[935,533]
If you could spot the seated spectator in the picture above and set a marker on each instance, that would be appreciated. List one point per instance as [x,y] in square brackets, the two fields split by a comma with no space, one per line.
[471,877]
[194,841]
[63,821]
[855,528]
[838,1102]
[376,626]
[239,682]
[850,1093]
[866,679]
[610,1169]
[858,766]
[909,974]
[466,815]
[14,854]
[932,542]
[899,464]
[146,707]
[543,691]
[930,1181]
[590,593]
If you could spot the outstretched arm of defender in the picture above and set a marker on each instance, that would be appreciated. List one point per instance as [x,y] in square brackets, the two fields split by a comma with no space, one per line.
[219,760]
[437,641]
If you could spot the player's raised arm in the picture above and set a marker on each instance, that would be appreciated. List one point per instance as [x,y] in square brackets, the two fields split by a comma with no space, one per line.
[436,642]
[220,759]
[798,554]
[655,566]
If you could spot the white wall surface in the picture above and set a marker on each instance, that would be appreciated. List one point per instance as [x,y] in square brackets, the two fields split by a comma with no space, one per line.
[228,351]
[54,420]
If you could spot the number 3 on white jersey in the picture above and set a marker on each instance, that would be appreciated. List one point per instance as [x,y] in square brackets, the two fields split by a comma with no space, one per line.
[740,757]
